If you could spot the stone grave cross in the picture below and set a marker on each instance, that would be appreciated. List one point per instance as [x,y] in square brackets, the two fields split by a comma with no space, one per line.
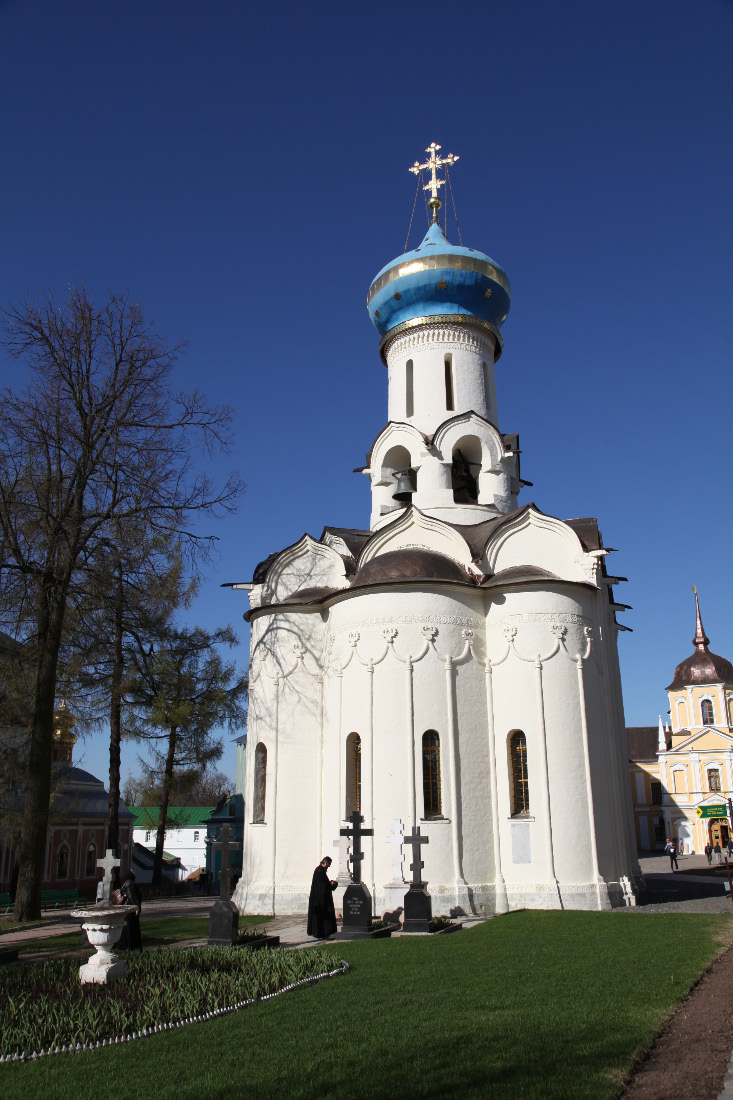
[414,840]
[395,839]
[226,846]
[108,865]
[344,875]
[356,833]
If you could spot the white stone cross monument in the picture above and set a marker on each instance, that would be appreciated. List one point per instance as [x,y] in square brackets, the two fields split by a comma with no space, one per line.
[108,865]
[394,891]
[343,874]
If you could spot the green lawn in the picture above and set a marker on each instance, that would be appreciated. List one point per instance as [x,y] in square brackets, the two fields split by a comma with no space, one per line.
[534,1005]
[156,932]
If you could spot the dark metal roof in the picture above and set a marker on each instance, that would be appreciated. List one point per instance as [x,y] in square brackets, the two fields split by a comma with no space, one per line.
[703,667]
[642,742]
[413,564]
[587,531]
[352,536]
[310,595]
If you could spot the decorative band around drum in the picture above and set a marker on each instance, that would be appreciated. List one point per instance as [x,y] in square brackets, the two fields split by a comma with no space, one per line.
[441,319]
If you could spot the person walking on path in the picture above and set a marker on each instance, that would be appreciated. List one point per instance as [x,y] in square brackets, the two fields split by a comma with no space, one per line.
[321,912]
[671,850]
[709,852]
[131,896]
[718,852]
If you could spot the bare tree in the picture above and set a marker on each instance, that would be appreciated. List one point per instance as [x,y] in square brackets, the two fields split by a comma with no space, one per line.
[195,787]
[96,438]
[181,692]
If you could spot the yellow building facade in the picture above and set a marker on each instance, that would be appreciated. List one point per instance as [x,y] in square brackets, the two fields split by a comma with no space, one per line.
[682,772]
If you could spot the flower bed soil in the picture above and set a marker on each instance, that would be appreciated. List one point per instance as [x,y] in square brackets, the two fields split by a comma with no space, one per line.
[690,1056]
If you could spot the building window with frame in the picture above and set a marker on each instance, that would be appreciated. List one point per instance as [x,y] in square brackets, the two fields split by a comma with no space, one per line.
[708,712]
[656,793]
[147,836]
[195,836]
[91,862]
[431,786]
[713,779]
[353,775]
[260,791]
[409,390]
[520,779]
[62,862]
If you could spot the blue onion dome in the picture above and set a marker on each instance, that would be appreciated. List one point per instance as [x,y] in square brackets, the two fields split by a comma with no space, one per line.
[439,279]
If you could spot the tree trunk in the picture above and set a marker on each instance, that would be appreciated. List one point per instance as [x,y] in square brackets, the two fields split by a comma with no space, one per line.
[115,723]
[34,830]
[164,797]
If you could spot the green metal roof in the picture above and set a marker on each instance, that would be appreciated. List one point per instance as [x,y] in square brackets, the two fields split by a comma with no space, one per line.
[178,817]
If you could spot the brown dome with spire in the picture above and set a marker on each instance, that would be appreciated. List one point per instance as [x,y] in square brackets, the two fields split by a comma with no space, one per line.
[703,667]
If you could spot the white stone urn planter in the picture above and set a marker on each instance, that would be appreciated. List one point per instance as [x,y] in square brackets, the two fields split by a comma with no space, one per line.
[103,925]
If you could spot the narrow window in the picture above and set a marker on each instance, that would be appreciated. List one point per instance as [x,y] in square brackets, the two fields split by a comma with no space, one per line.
[656,793]
[62,862]
[258,816]
[409,396]
[195,836]
[708,713]
[520,781]
[91,864]
[449,403]
[353,774]
[431,774]
[713,779]
[147,836]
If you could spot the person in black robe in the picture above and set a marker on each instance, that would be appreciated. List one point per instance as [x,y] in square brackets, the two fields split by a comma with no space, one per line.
[131,896]
[321,913]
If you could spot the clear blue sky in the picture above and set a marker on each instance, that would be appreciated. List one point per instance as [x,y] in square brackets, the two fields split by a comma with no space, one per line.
[242,170]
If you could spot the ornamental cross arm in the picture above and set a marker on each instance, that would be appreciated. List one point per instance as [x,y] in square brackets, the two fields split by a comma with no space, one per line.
[432,164]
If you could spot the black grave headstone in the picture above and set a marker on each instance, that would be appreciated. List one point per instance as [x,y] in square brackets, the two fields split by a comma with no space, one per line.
[357,904]
[418,910]
[224,915]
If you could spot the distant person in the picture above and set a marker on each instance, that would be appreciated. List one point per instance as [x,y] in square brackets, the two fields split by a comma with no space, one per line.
[709,852]
[131,896]
[671,850]
[681,846]
[321,912]
[730,847]
[718,852]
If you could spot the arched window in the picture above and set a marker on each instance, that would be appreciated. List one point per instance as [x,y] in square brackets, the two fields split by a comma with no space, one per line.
[449,397]
[62,862]
[520,780]
[713,779]
[409,392]
[353,774]
[90,868]
[432,796]
[708,712]
[260,789]
[729,702]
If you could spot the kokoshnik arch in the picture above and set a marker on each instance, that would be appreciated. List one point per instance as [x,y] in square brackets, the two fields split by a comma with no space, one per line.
[455,665]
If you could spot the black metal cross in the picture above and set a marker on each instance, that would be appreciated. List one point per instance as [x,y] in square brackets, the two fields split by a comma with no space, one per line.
[414,840]
[356,833]
[226,846]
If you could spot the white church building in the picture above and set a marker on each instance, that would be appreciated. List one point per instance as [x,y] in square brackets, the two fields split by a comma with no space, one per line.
[454,667]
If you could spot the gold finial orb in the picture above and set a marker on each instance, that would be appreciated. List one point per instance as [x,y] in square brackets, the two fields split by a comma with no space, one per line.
[432,164]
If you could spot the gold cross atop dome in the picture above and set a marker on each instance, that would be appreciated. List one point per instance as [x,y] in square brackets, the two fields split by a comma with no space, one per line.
[432,164]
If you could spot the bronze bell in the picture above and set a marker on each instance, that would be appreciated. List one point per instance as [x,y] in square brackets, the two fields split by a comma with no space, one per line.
[405,485]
